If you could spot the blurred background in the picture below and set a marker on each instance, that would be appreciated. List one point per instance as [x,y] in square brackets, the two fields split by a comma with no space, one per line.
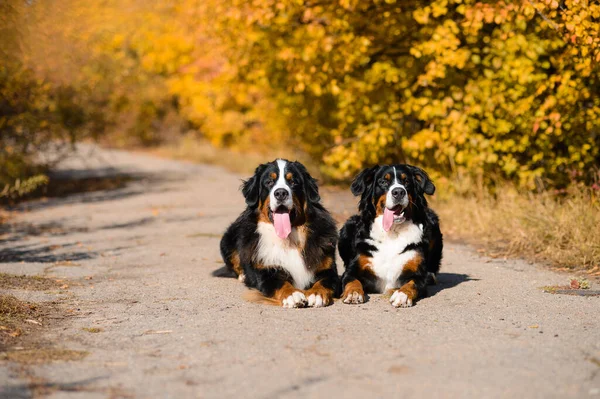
[498,100]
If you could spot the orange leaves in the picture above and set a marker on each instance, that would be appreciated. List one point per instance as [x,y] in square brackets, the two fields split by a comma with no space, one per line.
[504,89]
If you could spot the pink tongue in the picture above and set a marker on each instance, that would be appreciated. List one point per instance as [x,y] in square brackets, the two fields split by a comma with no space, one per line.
[283,227]
[388,219]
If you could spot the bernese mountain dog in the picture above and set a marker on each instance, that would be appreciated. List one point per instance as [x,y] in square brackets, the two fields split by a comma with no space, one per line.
[283,244]
[394,244]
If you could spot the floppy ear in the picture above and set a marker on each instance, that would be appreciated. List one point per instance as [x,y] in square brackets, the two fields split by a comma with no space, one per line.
[251,187]
[423,180]
[363,181]
[311,186]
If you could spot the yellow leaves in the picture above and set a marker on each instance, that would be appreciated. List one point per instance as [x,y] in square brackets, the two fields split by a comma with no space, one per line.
[469,87]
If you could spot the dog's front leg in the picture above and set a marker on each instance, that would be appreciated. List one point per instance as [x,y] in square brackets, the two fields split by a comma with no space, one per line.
[327,280]
[276,283]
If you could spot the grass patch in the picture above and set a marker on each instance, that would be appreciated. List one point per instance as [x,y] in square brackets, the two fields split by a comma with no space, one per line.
[577,286]
[43,355]
[13,310]
[20,325]
[93,330]
[13,316]
[563,231]
[33,283]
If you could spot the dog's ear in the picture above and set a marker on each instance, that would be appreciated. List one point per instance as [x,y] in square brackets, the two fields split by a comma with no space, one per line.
[423,181]
[311,187]
[363,181]
[251,187]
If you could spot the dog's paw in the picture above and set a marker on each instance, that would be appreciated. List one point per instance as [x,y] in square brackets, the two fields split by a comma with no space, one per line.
[353,297]
[318,299]
[296,300]
[242,278]
[319,296]
[353,292]
[400,300]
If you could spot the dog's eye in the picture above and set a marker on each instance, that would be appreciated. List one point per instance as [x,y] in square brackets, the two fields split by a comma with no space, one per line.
[270,183]
[383,182]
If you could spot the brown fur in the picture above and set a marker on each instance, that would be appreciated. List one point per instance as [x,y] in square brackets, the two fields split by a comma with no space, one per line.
[235,261]
[273,175]
[325,265]
[353,286]
[364,262]
[286,290]
[318,289]
[256,296]
[380,205]
[412,265]
[410,290]
[288,176]
[264,211]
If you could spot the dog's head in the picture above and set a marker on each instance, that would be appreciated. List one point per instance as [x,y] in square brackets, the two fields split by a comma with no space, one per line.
[281,191]
[395,191]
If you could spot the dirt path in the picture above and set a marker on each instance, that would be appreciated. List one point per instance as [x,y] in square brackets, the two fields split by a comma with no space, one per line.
[139,258]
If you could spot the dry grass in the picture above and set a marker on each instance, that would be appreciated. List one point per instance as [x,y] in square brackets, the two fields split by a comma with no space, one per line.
[43,355]
[561,231]
[33,283]
[93,330]
[13,316]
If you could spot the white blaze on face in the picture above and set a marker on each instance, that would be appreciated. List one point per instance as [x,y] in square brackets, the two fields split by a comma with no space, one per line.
[281,183]
[389,200]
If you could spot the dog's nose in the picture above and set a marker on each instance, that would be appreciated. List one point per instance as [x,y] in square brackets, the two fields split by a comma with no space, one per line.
[398,193]
[281,194]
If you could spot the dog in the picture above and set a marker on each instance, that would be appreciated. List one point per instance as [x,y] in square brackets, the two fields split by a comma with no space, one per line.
[283,244]
[394,244]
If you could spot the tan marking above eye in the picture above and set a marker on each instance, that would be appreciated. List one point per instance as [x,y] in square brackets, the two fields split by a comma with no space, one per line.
[288,176]
[403,176]
[273,175]
[387,176]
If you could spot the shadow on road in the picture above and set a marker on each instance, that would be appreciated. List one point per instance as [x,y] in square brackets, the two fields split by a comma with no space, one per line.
[75,186]
[448,280]
[32,390]
[91,186]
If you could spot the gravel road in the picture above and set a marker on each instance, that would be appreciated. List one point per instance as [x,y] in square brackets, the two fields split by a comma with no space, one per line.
[137,259]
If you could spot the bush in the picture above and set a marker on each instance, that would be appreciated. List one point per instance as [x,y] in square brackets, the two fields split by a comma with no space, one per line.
[482,91]
[492,90]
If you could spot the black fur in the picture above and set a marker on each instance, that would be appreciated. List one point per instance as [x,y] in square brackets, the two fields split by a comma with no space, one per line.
[370,185]
[242,238]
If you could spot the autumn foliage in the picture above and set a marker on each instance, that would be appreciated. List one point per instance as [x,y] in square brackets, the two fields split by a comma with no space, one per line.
[484,89]
[480,90]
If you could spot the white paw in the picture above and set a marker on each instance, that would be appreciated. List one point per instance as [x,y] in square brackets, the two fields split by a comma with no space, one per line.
[296,300]
[316,301]
[400,300]
[354,297]
[242,277]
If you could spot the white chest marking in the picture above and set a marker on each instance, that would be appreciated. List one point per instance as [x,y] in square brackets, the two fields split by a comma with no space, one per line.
[388,261]
[273,251]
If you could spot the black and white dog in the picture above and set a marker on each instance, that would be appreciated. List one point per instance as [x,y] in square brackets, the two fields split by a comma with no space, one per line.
[283,244]
[394,244]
